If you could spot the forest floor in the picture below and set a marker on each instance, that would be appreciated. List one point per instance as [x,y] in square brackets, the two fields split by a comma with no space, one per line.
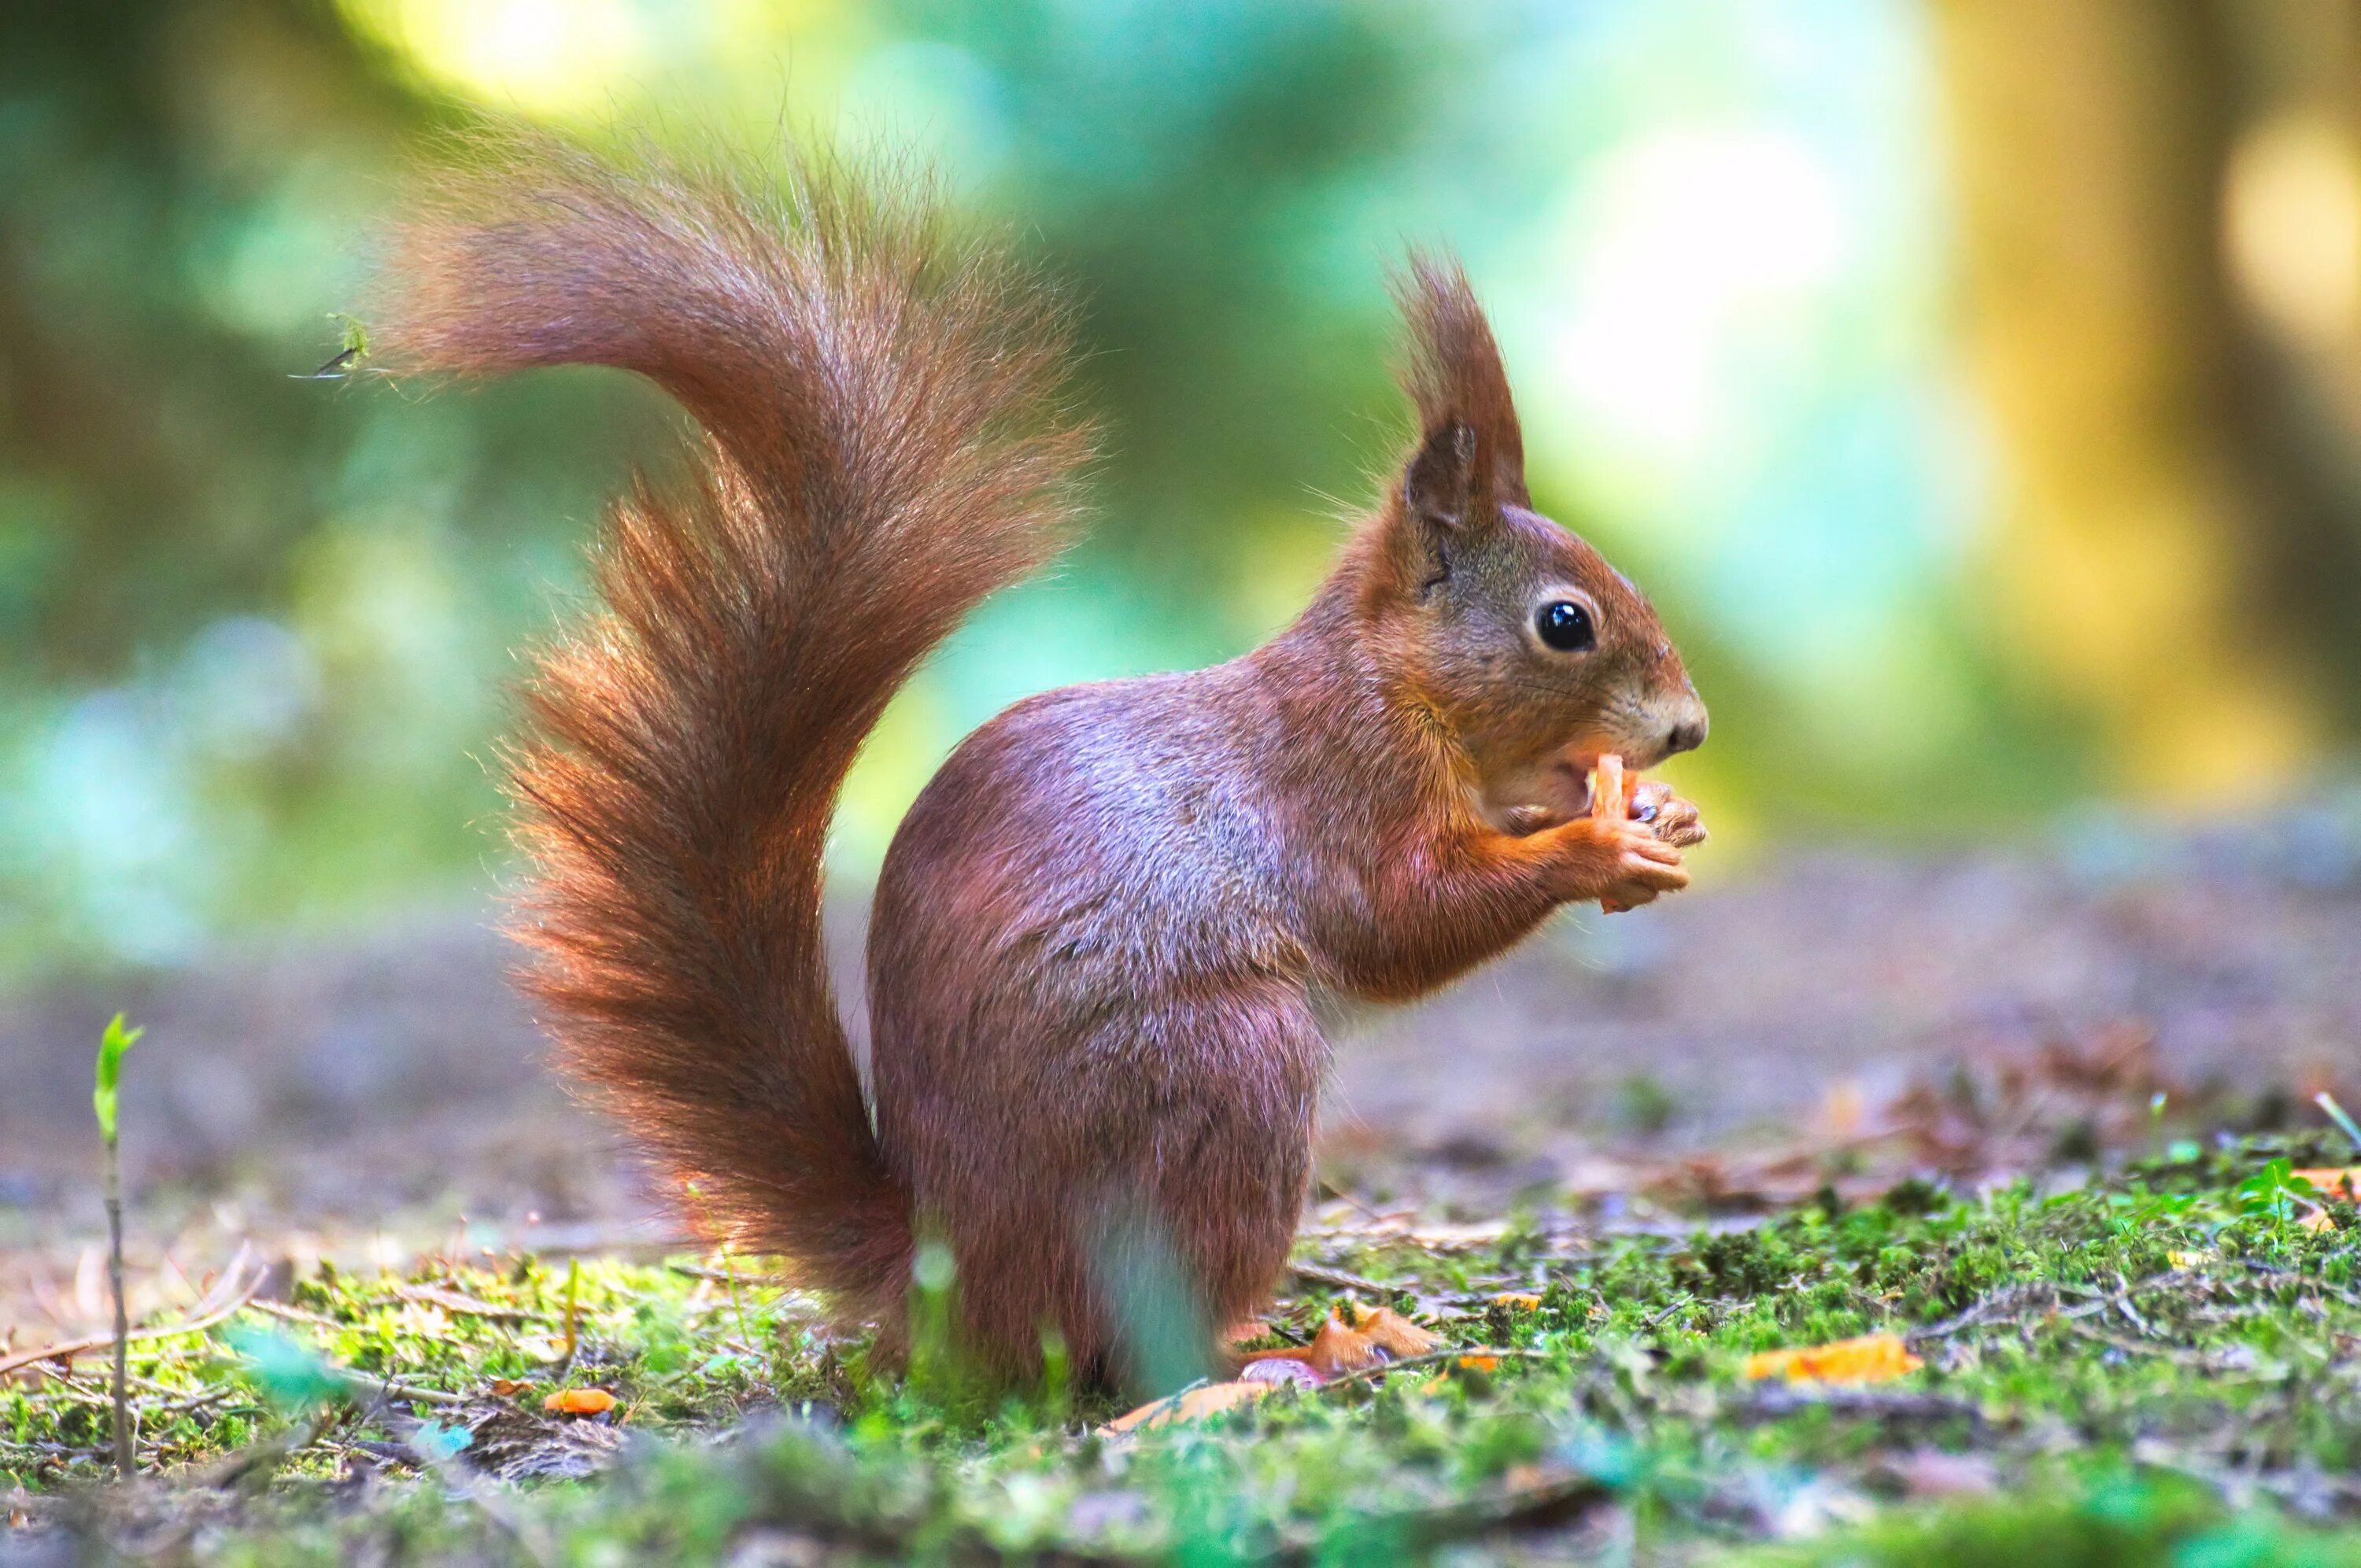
[2033,1125]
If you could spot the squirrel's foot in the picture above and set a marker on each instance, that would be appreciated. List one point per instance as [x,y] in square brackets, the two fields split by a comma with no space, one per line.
[1379,1334]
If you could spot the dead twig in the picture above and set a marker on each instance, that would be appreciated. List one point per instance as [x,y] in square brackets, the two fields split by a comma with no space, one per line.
[1549,1501]
[2122,1304]
[286,1313]
[696,1271]
[465,1306]
[1431,1358]
[2008,1303]
[1773,1401]
[2174,1353]
[2009,1299]
[66,1350]
[412,1393]
[1342,1280]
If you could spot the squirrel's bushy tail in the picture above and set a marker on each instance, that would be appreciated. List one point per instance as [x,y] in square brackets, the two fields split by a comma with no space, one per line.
[886,444]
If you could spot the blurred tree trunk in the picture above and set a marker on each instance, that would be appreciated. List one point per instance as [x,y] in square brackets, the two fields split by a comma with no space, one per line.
[2177,554]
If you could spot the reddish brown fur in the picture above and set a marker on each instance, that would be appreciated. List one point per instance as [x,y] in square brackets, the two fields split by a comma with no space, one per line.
[884,451]
[1454,374]
[1105,936]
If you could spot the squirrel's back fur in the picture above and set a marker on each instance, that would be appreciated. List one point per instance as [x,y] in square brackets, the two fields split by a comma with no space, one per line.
[886,444]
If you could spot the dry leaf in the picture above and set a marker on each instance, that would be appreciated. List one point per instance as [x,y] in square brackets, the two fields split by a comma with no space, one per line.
[1395,1335]
[579,1402]
[1335,1349]
[1873,1358]
[504,1386]
[465,1305]
[1380,1335]
[1447,1237]
[1196,1404]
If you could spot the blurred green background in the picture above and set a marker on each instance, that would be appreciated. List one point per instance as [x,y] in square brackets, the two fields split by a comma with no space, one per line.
[1975,386]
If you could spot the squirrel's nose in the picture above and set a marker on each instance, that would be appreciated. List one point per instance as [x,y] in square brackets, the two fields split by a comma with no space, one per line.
[1687,735]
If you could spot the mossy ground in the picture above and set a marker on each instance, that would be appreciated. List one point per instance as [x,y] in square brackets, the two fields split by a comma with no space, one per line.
[2156,1366]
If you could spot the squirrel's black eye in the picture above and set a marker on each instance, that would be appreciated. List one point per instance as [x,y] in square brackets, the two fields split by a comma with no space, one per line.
[1565,626]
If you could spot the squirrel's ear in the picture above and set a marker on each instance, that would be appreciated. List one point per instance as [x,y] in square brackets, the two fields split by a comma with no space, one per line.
[1471,457]
[1439,487]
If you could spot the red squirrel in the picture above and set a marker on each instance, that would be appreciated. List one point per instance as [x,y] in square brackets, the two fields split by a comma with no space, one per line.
[1105,935]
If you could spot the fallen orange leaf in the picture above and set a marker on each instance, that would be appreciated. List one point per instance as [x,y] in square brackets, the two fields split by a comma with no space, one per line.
[1393,1333]
[2345,1183]
[1523,1300]
[1206,1400]
[579,1402]
[1872,1358]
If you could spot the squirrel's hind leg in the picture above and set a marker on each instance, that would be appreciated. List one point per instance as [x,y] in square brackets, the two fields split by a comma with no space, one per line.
[1147,1196]
[1220,1175]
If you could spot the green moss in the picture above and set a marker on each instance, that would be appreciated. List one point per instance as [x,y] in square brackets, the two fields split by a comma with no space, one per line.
[2155,1367]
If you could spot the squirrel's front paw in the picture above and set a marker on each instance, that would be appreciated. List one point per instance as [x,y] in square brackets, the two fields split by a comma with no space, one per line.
[1623,864]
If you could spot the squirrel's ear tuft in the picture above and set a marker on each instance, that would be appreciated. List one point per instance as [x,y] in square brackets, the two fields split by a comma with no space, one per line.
[1471,457]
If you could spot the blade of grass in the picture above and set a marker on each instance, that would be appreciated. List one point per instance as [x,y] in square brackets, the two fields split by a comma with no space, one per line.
[2327,1102]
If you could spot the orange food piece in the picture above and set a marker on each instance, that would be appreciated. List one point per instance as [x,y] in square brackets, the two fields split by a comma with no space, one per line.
[1610,792]
[1480,1362]
[1611,801]
[1207,1399]
[579,1402]
[1872,1358]
[1522,1300]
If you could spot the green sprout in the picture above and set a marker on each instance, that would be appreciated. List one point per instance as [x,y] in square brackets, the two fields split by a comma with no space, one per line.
[105,1082]
[109,1077]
